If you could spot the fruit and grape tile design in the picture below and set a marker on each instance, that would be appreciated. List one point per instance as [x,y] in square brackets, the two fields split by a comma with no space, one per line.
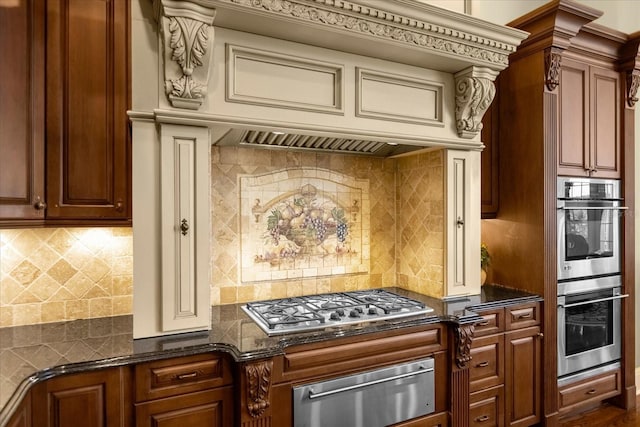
[301,223]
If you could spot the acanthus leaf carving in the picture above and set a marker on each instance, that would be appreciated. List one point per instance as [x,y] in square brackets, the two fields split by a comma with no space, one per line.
[633,83]
[552,62]
[474,93]
[464,339]
[186,31]
[258,387]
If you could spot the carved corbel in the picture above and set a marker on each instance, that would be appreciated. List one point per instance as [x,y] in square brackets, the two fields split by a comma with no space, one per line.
[464,339]
[186,31]
[633,82]
[258,387]
[552,60]
[474,92]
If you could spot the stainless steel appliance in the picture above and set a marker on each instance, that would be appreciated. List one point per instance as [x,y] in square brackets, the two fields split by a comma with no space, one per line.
[588,324]
[371,399]
[588,227]
[306,313]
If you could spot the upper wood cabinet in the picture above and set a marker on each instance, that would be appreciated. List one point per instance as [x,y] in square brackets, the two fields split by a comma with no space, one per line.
[65,152]
[489,175]
[22,111]
[589,122]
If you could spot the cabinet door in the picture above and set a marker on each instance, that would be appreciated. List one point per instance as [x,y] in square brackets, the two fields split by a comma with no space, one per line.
[22,111]
[93,399]
[211,408]
[22,416]
[87,91]
[489,168]
[605,123]
[573,123]
[523,392]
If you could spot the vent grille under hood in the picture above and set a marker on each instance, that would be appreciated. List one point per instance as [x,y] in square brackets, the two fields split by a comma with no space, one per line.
[269,139]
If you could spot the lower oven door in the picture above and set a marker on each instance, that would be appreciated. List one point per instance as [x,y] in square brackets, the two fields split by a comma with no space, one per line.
[371,399]
[588,330]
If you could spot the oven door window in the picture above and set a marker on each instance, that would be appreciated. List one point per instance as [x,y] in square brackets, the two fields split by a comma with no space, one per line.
[589,233]
[588,325]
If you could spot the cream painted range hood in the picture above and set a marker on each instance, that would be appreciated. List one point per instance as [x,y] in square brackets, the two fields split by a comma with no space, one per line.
[369,77]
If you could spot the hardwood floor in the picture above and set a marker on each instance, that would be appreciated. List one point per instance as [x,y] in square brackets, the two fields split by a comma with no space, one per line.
[605,416]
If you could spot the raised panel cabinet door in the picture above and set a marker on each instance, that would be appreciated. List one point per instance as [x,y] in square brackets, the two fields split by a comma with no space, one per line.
[605,123]
[87,89]
[22,111]
[573,123]
[489,168]
[523,377]
[211,408]
[92,399]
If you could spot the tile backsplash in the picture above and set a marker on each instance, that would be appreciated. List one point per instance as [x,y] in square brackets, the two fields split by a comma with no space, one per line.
[53,274]
[398,227]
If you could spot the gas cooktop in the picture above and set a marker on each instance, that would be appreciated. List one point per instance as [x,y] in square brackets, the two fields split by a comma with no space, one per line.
[305,313]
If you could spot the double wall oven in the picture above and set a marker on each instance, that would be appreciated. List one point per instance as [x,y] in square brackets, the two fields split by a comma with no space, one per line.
[589,275]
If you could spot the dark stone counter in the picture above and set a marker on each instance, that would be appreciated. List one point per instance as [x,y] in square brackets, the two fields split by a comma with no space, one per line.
[30,354]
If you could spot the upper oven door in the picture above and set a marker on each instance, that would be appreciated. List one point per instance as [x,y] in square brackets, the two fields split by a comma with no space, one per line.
[588,233]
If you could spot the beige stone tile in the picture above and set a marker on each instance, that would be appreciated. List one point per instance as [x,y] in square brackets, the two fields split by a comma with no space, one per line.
[76,309]
[44,287]
[53,311]
[44,257]
[96,292]
[294,289]
[215,295]
[78,255]
[278,290]
[96,269]
[26,242]
[9,290]
[228,295]
[100,307]
[25,273]
[122,305]
[26,314]
[62,271]
[26,297]
[6,316]
[309,287]
[9,259]
[246,293]
[122,285]
[122,265]
[79,285]
[61,241]
[62,294]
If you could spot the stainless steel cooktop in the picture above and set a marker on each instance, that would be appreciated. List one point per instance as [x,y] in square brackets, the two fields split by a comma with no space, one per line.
[281,316]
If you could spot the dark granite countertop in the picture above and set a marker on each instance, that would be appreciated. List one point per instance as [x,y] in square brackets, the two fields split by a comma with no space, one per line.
[30,354]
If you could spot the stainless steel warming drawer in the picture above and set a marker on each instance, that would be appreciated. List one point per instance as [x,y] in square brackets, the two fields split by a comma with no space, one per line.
[375,398]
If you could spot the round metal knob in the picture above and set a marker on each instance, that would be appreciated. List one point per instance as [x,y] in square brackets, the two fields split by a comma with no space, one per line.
[39,204]
[119,206]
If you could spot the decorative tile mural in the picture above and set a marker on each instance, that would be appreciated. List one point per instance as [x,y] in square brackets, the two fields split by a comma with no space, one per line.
[54,274]
[303,222]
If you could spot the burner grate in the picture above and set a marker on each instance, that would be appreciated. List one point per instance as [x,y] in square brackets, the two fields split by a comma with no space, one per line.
[288,311]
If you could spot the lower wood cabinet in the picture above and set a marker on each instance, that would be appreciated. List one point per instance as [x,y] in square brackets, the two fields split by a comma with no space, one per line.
[99,398]
[505,369]
[22,415]
[440,419]
[588,391]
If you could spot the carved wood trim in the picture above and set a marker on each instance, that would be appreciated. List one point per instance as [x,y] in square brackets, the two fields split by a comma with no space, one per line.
[552,62]
[474,92]
[187,32]
[464,339]
[258,387]
[633,83]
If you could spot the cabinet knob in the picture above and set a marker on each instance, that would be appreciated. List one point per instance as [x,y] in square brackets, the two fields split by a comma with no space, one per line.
[119,206]
[460,222]
[39,204]
[540,335]
[184,227]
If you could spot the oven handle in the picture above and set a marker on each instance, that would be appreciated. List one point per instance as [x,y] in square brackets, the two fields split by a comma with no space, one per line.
[593,301]
[421,371]
[593,208]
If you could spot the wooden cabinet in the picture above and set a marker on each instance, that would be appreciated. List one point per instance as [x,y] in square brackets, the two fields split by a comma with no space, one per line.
[582,393]
[22,416]
[187,391]
[489,166]
[505,370]
[93,399]
[589,121]
[83,123]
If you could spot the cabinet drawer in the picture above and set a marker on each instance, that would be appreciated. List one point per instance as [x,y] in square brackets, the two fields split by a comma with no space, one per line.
[486,408]
[522,316]
[590,390]
[170,377]
[492,322]
[487,362]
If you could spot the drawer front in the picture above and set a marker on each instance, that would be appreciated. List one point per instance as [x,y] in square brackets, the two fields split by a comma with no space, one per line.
[522,316]
[492,322]
[486,408]
[487,362]
[591,390]
[171,377]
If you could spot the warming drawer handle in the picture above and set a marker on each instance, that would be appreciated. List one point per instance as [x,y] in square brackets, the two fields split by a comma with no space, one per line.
[313,395]
[594,208]
[482,364]
[593,301]
[482,419]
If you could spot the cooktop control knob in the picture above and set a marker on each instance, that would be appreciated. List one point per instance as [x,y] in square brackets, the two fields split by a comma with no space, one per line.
[372,310]
[360,310]
[340,312]
[354,313]
[334,316]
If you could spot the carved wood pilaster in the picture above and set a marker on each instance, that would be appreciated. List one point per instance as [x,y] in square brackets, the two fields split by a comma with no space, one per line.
[633,82]
[464,339]
[474,92]
[552,62]
[258,382]
[186,31]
